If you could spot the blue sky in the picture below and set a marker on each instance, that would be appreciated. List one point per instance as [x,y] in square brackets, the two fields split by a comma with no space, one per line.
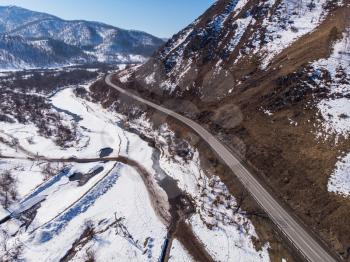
[162,18]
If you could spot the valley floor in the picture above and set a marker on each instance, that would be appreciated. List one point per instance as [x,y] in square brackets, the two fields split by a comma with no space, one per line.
[114,210]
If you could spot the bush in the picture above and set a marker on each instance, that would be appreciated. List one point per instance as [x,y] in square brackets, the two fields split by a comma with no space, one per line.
[294,29]
[334,34]
[256,60]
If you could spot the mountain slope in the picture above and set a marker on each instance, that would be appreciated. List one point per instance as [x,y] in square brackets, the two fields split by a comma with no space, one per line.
[12,17]
[271,80]
[96,41]
[236,36]
[25,53]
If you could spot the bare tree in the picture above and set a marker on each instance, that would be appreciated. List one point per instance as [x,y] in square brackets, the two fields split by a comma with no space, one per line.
[123,231]
[8,189]
[9,252]
[89,228]
[50,171]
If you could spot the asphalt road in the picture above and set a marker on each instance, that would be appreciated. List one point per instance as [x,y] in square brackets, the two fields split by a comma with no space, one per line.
[304,243]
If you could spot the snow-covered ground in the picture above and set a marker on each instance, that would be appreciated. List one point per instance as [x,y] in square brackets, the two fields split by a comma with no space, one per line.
[61,217]
[242,25]
[111,215]
[335,108]
[126,190]
[336,113]
[225,232]
[339,182]
[292,20]
[178,253]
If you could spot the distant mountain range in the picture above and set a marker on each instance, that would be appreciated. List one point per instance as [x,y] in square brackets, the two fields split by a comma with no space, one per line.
[32,39]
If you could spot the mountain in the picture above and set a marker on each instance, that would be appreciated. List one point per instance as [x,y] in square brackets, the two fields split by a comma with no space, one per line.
[84,41]
[20,52]
[270,79]
[236,36]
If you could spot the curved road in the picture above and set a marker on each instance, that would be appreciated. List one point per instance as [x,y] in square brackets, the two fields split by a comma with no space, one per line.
[309,248]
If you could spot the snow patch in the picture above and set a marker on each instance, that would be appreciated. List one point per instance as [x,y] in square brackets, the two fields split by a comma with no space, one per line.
[292,20]
[336,109]
[339,182]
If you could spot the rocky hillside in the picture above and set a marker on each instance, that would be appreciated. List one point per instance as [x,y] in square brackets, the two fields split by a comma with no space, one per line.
[270,79]
[67,41]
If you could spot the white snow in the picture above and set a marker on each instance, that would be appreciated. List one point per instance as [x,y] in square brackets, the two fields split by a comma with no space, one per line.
[293,20]
[117,191]
[128,191]
[29,175]
[150,79]
[178,253]
[240,5]
[220,19]
[60,219]
[180,41]
[230,242]
[336,110]
[62,194]
[42,44]
[267,112]
[98,129]
[339,182]
[336,113]
[232,232]
[242,25]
